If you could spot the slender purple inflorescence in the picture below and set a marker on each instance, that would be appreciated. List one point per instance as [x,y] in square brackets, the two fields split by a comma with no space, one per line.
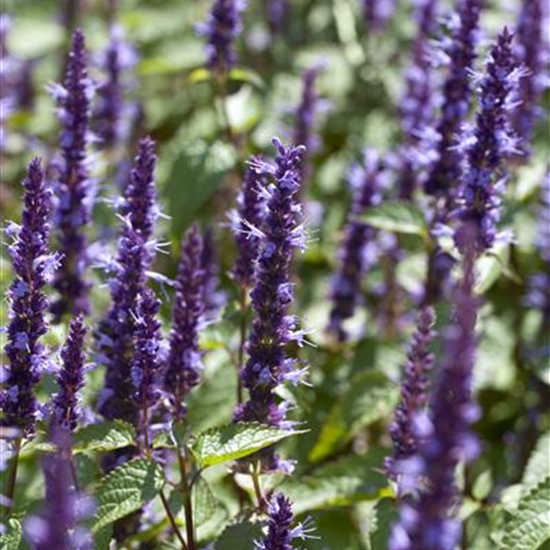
[445,172]
[429,522]
[357,251]
[277,13]
[492,141]
[33,268]
[70,379]
[377,13]
[414,397]
[73,183]
[246,223]
[223,25]
[184,358]
[138,212]
[268,365]
[280,531]
[213,298]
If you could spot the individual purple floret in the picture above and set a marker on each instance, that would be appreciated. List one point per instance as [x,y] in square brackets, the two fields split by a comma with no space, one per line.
[377,13]
[357,251]
[414,396]
[532,52]
[184,363]
[33,267]
[445,172]
[70,379]
[492,141]
[268,364]
[138,212]
[246,223]
[73,183]
[113,114]
[430,521]
[281,533]
[223,25]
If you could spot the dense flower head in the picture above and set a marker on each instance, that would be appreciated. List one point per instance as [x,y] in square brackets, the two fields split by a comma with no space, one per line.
[223,25]
[184,363]
[137,246]
[357,251]
[457,92]
[70,378]
[492,141]
[73,183]
[33,268]
[246,223]
[414,395]
[377,13]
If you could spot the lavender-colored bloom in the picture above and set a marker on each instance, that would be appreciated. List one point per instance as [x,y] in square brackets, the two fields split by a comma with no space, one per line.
[184,358]
[136,250]
[280,531]
[377,13]
[414,396]
[356,252]
[247,222]
[268,364]
[213,298]
[73,183]
[429,522]
[492,141]
[223,25]
[70,380]
[277,12]
[33,267]
[445,172]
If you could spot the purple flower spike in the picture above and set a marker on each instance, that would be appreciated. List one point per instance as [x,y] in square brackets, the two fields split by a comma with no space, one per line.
[413,393]
[377,13]
[456,100]
[73,183]
[223,25]
[136,251]
[213,298]
[70,380]
[184,358]
[357,252]
[492,141]
[280,532]
[429,522]
[277,12]
[34,268]
[247,222]
[268,364]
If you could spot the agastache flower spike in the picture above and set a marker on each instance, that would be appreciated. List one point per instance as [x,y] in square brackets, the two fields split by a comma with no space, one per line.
[377,13]
[277,12]
[268,364]
[223,25]
[70,379]
[356,252]
[414,397]
[213,297]
[445,172]
[33,268]
[492,141]
[73,183]
[184,363]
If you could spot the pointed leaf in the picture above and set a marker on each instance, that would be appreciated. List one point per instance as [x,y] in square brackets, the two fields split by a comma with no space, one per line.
[11,539]
[538,466]
[397,216]
[104,437]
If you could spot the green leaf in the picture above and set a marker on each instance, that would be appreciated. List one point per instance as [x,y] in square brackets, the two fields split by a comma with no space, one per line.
[529,527]
[397,216]
[239,535]
[538,466]
[126,490]
[372,396]
[11,539]
[107,436]
[246,75]
[235,441]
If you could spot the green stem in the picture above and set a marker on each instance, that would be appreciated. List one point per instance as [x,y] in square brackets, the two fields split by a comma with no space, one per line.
[262,502]
[12,477]
[173,522]
[188,502]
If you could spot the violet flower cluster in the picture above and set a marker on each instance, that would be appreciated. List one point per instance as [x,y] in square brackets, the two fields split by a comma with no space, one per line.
[377,13]
[492,141]
[277,13]
[70,378]
[138,213]
[223,25]
[33,268]
[73,185]
[184,362]
[358,251]
[268,365]
[214,298]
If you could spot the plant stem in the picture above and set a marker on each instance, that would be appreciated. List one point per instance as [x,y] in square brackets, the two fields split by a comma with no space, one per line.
[221,87]
[12,474]
[262,503]
[188,503]
[173,521]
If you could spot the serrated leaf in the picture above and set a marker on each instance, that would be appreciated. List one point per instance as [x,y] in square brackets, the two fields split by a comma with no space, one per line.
[11,539]
[538,466]
[104,437]
[239,535]
[235,441]
[127,489]
[372,396]
[397,216]
[529,527]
